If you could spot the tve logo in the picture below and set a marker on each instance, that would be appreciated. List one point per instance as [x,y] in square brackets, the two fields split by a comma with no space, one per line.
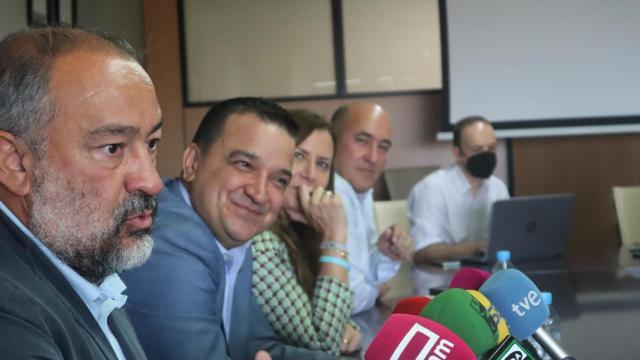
[533,298]
[437,348]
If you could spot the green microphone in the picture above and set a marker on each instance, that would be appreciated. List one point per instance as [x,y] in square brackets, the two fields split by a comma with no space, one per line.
[462,313]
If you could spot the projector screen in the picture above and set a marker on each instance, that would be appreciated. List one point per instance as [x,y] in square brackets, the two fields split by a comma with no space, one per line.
[543,67]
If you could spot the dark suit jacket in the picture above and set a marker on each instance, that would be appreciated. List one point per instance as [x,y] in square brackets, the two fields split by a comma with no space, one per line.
[175,299]
[41,315]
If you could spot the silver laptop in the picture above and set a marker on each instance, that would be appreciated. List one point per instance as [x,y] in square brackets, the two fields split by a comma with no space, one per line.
[531,227]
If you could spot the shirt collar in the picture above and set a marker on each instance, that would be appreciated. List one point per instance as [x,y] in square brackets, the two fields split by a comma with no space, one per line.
[111,288]
[462,181]
[361,196]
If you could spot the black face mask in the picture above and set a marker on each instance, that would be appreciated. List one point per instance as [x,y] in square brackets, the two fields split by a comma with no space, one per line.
[481,165]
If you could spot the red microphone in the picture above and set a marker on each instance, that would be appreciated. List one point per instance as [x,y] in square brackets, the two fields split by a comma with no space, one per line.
[411,305]
[405,336]
[469,278]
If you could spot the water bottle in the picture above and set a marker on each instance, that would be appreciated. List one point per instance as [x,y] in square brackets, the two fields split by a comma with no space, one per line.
[503,261]
[552,325]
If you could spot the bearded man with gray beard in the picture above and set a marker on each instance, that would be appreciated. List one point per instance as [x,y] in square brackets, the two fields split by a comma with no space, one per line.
[79,129]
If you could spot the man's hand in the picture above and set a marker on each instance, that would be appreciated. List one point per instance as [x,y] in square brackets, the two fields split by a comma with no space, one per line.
[396,243]
[383,289]
[350,340]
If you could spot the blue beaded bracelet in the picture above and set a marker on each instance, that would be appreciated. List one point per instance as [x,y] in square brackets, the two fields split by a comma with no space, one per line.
[335,260]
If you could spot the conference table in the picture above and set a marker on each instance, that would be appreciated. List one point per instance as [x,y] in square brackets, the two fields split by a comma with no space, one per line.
[596,292]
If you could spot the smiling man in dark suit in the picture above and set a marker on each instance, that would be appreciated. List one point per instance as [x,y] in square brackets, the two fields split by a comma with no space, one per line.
[79,127]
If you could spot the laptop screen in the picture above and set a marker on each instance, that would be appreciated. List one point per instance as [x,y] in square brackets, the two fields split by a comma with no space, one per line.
[531,227]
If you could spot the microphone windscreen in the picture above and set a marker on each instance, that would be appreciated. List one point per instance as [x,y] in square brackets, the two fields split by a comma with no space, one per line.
[411,305]
[518,300]
[405,336]
[463,314]
[492,316]
[509,349]
[469,278]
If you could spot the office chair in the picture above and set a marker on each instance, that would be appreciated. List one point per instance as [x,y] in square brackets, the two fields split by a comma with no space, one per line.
[400,181]
[627,203]
[386,214]
[391,212]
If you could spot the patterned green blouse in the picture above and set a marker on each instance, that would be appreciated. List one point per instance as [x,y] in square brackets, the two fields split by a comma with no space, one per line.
[316,324]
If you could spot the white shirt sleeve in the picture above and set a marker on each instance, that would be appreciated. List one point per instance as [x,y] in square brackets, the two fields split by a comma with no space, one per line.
[364,288]
[503,192]
[363,277]
[383,266]
[369,268]
[427,215]
[365,291]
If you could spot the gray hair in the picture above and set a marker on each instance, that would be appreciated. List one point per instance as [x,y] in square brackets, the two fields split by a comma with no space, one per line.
[26,59]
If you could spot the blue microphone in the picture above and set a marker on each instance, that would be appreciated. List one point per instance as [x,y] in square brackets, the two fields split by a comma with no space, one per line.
[521,305]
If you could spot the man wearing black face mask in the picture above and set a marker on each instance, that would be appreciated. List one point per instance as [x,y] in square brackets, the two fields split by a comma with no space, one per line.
[449,209]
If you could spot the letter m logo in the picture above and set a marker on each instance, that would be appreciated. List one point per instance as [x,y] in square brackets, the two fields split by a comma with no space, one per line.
[418,340]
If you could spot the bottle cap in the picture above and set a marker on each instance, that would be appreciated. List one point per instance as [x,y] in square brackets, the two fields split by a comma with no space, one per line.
[547,297]
[503,255]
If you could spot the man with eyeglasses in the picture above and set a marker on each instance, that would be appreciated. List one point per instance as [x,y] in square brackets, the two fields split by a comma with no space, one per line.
[449,209]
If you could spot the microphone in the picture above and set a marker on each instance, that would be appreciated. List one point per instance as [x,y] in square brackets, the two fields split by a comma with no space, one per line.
[510,349]
[405,336]
[550,345]
[469,278]
[463,314]
[520,303]
[411,305]
[494,319]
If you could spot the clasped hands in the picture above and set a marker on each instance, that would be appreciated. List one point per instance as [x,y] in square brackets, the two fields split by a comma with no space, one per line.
[396,243]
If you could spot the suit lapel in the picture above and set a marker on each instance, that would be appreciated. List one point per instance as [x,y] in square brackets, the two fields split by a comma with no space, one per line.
[120,325]
[241,311]
[55,284]
[236,340]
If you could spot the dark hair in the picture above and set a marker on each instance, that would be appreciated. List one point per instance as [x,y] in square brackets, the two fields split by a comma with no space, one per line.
[338,118]
[462,124]
[308,122]
[213,122]
[26,59]
[301,240]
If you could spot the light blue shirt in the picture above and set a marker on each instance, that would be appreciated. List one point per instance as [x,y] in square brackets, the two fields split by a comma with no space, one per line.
[233,259]
[369,267]
[101,300]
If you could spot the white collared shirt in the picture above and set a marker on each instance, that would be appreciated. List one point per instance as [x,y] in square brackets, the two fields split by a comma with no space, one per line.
[443,209]
[233,260]
[369,267]
[101,300]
